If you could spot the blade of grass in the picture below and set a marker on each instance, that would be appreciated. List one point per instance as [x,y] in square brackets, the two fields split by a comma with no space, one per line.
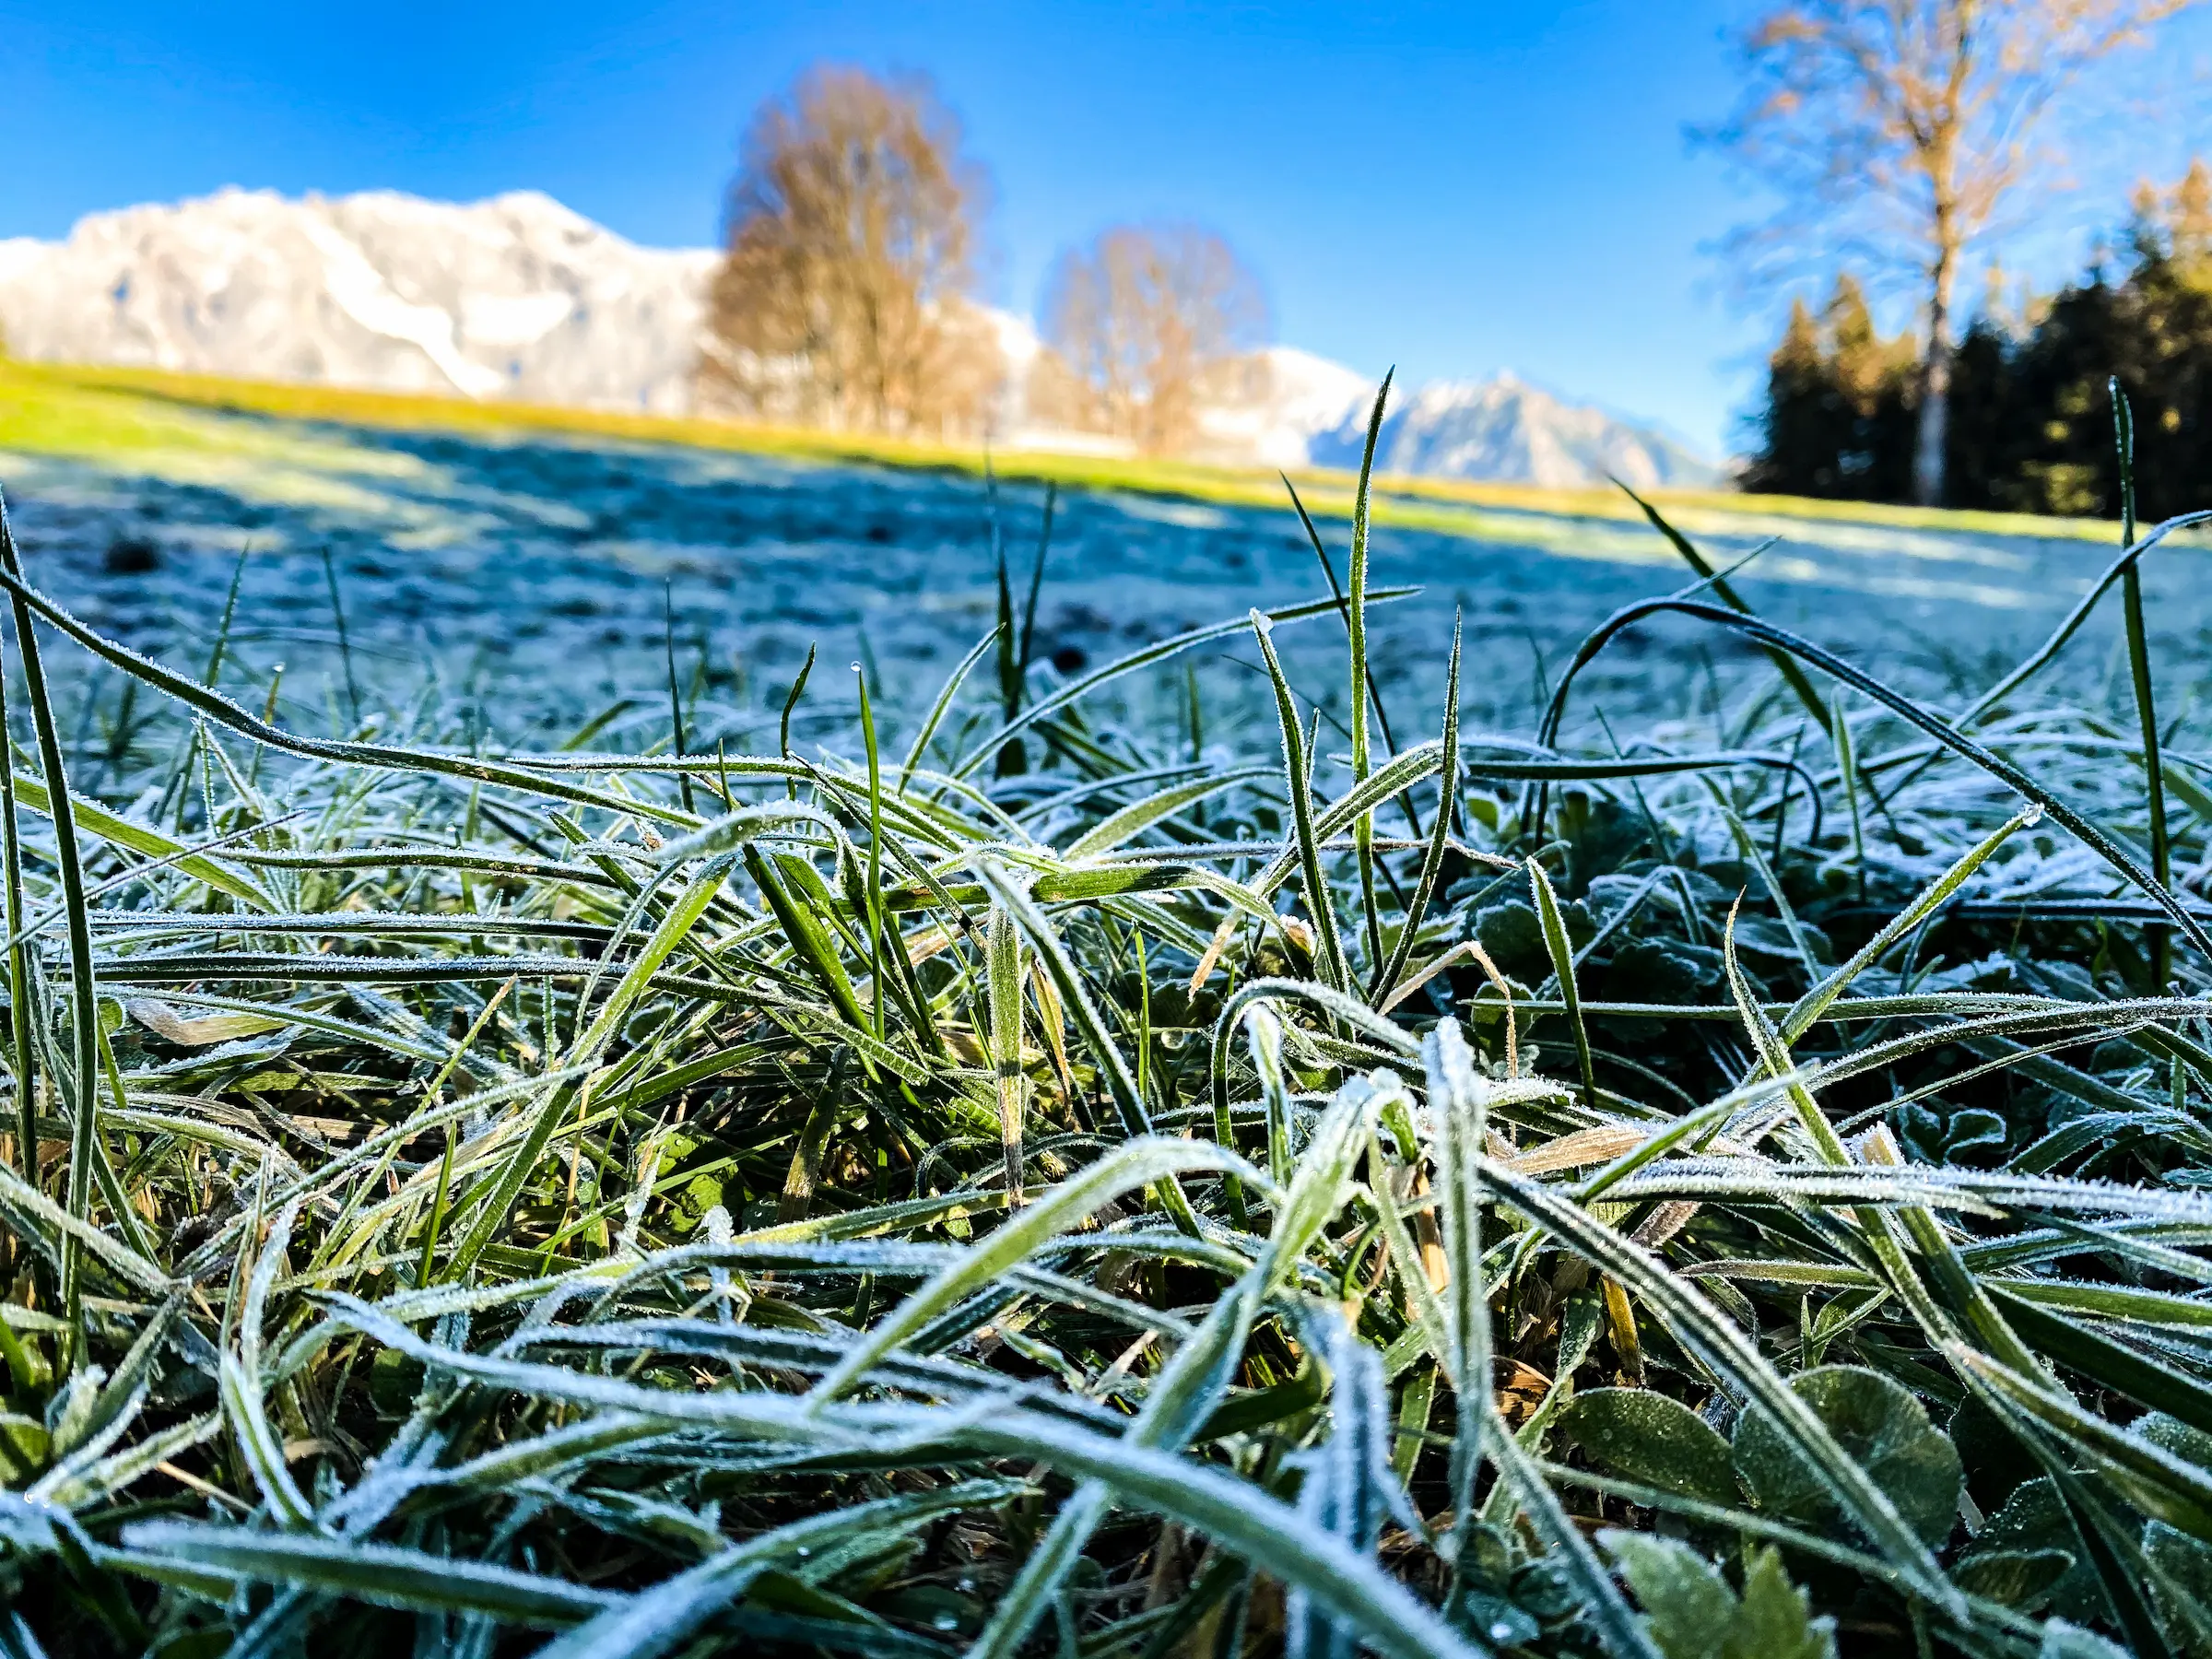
[21,1050]
[1967,748]
[2138,664]
[1128,1100]
[920,746]
[679,745]
[1002,951]
[1432,858]
[78,1088]
[337,613]
[1786,664]
[1077,690]
[1363,826]
[1562,966]
[1328,948]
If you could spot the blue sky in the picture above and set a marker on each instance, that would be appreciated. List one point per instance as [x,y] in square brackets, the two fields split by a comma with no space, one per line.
[1453,188]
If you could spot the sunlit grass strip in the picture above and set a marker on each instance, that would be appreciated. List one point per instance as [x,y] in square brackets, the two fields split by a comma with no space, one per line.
[107,412]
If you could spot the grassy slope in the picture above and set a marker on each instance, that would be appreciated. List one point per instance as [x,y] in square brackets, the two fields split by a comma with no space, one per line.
[106,413]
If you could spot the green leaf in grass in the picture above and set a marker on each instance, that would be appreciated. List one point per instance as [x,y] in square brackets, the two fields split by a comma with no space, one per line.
[1687,1604]
[1691,1613]
[2183,1440]
[1885,1431]
[1774,1619]
[2033,1521]
[2179,1569]
[1646,1436]
[2017,1578]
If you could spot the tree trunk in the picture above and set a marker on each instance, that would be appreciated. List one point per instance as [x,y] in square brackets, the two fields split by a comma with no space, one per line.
[1934,387]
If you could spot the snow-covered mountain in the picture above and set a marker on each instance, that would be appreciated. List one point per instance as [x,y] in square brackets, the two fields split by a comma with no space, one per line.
[1293,400]
[514,296]
[1505,429]
[518,296]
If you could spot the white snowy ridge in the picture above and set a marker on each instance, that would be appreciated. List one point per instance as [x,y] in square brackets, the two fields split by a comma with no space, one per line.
[519,297]
[514,296]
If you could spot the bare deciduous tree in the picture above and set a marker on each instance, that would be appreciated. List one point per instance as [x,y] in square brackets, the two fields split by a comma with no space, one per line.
[1141,327]
[1896,130]
[844,299]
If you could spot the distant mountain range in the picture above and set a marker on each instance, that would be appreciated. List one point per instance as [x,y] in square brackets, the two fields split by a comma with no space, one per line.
[519,297]
[1504,428]
[516,296]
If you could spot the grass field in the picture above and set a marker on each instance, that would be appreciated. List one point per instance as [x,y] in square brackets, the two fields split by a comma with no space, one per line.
[1078,1179]
[81,410]
[556,553]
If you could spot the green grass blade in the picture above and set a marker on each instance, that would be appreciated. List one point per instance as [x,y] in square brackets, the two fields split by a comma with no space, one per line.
[1966,747]
[1139,815]
[2046,652]
[79,1087]
[1808,1009]
[1458,1100]
[1328,948]
[1002,951]
[1562,965]
[1440,839]
[1077,690]
[1602,1602]
[1120,1082]
[1786,665]
[1363,826]
[2082,1348]
[22,1049]
[1717,1340]
[935,716]
[654,1621]
[384,1575]
[2138,662]
[1128,1168]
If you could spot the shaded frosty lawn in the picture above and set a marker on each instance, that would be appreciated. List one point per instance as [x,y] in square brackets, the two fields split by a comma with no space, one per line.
[539,573]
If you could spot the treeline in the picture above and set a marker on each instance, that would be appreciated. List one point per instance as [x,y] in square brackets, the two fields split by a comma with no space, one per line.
[2030,425]
[849,296]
